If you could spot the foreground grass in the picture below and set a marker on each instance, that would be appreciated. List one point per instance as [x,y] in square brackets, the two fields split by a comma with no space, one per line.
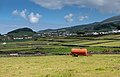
[61,66]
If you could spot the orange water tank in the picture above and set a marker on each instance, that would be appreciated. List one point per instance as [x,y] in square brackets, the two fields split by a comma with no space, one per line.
[79,51]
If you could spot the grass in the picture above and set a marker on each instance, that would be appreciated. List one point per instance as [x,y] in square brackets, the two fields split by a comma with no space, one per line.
[117,36]
[102,49]
[46,46]
[61,66]
[116,43]
[112,43]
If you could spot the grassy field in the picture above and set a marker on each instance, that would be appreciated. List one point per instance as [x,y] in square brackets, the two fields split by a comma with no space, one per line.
[61,66]
[61,44]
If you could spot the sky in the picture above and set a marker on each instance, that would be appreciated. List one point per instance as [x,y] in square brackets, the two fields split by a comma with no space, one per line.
[53,14]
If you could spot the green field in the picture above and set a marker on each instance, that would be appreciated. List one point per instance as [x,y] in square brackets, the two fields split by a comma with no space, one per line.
[58,45]
[61,66]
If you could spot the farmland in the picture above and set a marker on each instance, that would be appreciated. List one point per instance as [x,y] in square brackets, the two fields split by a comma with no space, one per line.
[54,65]
[60,45]
[61,66]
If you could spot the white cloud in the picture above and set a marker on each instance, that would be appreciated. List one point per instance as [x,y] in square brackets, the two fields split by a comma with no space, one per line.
[102,5]
[69,17]
[31,17]
[23,13]
[50,4]
[15,12]
[81,18]
[34,18]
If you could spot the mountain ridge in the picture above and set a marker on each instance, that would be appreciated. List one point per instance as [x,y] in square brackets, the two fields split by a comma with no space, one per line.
[111,23]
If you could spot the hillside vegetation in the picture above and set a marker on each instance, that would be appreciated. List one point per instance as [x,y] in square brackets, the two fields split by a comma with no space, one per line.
[109,24]
[21,31]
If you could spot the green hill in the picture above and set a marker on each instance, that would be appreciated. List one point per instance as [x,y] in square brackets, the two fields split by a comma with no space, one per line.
[112,23]
[21,31]
[114,19]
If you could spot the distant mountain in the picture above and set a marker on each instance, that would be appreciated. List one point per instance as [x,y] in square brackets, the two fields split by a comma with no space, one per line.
[47,30]
[115,19]
[21,31]
[112,23]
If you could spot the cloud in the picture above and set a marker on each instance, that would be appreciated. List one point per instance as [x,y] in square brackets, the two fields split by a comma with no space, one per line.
[23,13]
[50,4]
[81,18]
[15,12]
[69,17]
[101,5]
[31,17]
[34,18]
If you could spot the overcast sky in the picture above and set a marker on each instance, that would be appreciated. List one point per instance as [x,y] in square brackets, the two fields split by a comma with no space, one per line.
[46,14]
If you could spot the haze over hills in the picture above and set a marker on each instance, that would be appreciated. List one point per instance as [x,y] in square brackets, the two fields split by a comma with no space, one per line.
[112,23]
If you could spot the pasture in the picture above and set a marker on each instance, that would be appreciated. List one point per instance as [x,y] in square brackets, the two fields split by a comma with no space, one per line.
[102,65]
[63,45]
[61,66]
